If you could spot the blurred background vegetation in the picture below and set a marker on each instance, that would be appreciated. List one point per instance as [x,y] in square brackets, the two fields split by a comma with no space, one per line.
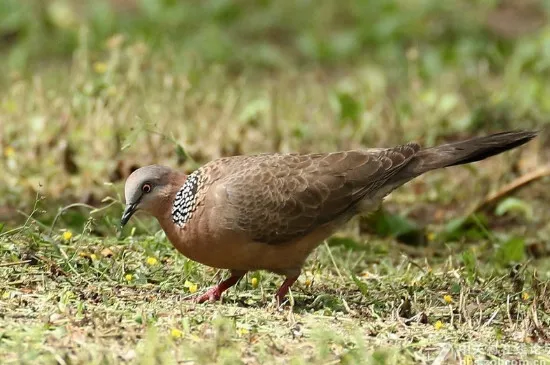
[276,35]
[90,90]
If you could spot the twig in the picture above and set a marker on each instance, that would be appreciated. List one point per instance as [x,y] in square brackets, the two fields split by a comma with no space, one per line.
[75,205]
[15,263]
[29,217]
[514,185]
[491,318]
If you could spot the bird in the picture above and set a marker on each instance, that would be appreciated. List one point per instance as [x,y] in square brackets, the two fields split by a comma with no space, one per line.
[269,211]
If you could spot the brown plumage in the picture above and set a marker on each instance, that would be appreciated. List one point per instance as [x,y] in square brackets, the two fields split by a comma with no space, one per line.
[269,211]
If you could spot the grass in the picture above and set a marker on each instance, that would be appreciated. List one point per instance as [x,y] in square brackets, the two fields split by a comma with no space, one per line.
[72,300]
[84,102]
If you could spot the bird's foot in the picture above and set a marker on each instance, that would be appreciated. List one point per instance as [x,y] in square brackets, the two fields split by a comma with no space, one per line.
[283,290]
[215,293]
[212,295]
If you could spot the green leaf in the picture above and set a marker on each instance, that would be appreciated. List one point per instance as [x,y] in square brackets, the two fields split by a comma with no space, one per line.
[511,204]
[472,227]
[347,242]
[454,226]
[131,137]
[455,288]
[469,261]
[181,154]
[511,251]
[349,107]
[254,110]
[385,224]
[361,285]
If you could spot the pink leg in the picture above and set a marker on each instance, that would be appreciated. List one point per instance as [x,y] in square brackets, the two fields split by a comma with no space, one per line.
[215,293]
[283,290]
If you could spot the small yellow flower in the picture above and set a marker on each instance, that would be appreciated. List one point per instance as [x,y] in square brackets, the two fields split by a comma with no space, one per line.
[242,331]
[468,360]
[438,325]
[100,67]
[128,277]
[525,295]
[307,282]
[9,151]
[191,286]
[176,333]
[93,256]
[67,235]
[254,282]
[151,261]
[448,299]
[431,236]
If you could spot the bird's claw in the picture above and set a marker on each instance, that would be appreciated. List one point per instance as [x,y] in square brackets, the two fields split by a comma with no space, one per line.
[211,295]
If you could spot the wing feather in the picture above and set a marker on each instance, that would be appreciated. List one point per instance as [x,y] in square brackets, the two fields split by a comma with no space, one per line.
[279,197]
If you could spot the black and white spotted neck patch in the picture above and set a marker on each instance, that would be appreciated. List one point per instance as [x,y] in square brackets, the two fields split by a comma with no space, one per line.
[186,199]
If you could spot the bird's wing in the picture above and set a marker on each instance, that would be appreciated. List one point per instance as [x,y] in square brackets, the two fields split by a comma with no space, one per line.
[277,198]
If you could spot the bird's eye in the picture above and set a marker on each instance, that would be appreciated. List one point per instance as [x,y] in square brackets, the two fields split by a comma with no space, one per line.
[146,188]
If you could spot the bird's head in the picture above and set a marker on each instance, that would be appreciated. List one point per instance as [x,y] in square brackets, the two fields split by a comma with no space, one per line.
[149,189]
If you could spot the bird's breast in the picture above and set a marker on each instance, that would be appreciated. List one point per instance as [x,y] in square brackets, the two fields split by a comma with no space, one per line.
[204,240]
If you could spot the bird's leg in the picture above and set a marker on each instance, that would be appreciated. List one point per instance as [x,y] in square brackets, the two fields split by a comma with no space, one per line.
[215,292]
[283,290]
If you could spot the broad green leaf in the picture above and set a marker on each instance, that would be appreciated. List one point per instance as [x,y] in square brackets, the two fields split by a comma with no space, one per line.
[472,227]
[181,154]
[349,107]
[455,288]
[514,205]
[454,226]
[385,224]
[511,251]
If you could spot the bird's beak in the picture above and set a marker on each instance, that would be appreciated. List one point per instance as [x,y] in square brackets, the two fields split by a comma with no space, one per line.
[128,213]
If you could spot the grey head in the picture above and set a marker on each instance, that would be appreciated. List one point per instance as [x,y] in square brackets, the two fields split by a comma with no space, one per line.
[147,188]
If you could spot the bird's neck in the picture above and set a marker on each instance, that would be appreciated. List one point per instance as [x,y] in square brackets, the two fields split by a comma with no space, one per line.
[164,216]
[164,213]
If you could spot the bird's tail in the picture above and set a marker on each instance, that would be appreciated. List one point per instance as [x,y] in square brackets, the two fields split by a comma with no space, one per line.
[463,152]
[472,150]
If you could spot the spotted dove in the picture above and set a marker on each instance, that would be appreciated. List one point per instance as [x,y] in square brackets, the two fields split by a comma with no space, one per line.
[270,211]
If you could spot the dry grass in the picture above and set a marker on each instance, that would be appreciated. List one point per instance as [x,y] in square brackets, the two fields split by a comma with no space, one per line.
[72,302]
